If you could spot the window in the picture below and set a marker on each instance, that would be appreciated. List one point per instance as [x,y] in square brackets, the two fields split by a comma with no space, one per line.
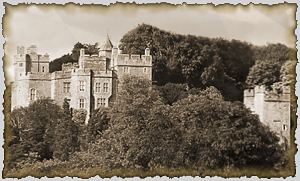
[43,69]
[105,87]
[20,64]
[66,86]
[101,102]
[32,94]
[145,70]
[81,83]
[126,69]
[284,127]
[97,87]
[81,103]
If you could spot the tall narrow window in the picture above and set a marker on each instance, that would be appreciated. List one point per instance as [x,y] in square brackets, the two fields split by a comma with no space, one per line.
[81,84]
[101,102]
[66,86]
[43,69]
[97,87]
[81,103]
[32,94]
[284,127]
[105,87]
[145,70]
[126,69]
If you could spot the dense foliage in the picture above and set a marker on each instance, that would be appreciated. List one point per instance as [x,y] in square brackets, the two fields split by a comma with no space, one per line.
[202,62]
[200,131]
[199,61]
[183,121]
[40,131]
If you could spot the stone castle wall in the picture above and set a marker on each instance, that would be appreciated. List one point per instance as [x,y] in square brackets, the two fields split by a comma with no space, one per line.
[272,107]
[94,80]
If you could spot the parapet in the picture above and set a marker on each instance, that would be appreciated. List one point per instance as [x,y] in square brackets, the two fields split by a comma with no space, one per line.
[126,59]
[20,50]
[249,93]
[60,74]
[36,76]
[32,49]
[278,92]
[68,66]
[260,89]
[44,57]
[94,57]
[286,89]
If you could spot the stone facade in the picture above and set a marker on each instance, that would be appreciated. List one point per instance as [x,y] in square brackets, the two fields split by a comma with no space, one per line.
[91,83]
[272,107]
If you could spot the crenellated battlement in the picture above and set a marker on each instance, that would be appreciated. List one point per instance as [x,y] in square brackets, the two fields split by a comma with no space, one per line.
[60,74]
[69,66]
[126,59]
[92,82]
[249,93]
[278,92]
[87,71]
[44,57]
[260,89]
[35,75]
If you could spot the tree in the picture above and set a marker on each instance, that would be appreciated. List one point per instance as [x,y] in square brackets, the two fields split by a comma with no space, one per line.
[98,123]
[56,64]
[171,92]
[66,131]
[264,73]
[218,134]
[275,52]
[33,131]
[76,50]
[140,135]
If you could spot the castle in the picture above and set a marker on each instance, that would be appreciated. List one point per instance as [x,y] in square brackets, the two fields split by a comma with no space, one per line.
[95,80]
[272,107]
[91,83]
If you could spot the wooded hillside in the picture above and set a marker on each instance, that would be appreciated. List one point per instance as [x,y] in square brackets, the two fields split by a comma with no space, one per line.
[199,62]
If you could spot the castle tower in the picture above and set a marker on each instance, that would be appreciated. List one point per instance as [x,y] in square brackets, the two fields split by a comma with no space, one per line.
[81,58]
[259,96]
[106,49]
[114,56]
[20,63]
[39,63]
[272,107]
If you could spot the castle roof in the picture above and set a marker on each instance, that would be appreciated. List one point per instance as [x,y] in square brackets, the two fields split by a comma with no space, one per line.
[107,45]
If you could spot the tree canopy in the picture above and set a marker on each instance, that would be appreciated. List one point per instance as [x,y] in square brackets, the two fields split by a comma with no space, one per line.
[202,62]
[201,131]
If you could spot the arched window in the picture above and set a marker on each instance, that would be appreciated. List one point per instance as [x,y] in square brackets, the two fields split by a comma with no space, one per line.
[43,69]
[32,94]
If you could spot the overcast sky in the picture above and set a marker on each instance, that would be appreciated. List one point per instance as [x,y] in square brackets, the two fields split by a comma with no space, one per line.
[55,29]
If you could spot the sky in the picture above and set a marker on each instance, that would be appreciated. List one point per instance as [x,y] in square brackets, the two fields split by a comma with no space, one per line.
[55,29]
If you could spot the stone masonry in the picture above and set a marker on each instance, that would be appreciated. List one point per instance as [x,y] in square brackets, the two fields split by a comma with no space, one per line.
[91,83]
[272,107]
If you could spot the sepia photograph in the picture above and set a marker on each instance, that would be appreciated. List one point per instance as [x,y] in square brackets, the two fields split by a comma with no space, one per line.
[149,89]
